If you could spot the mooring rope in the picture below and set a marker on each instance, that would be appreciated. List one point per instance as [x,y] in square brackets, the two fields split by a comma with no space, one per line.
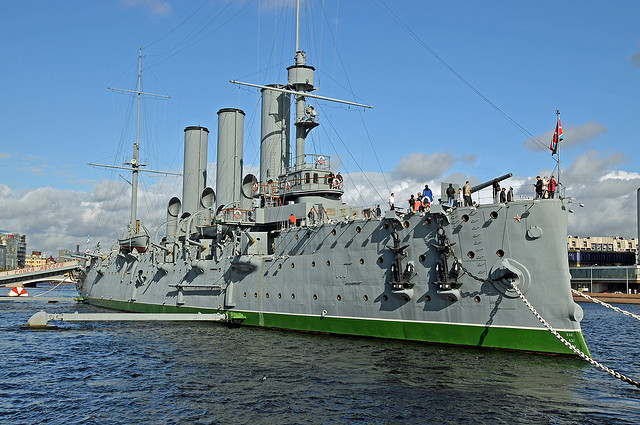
[571,346]
[595,300]
[39,295]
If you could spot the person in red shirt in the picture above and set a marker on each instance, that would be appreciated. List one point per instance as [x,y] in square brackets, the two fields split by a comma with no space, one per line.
[552,187]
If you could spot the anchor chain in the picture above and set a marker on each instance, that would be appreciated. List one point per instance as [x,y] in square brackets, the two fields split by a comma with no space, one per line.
[595,300]
[571,346]
[554,332]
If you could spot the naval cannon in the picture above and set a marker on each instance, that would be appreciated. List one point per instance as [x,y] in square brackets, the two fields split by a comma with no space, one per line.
[490,182]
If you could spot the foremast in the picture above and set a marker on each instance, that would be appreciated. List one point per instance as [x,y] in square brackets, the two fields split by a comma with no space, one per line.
[133,238]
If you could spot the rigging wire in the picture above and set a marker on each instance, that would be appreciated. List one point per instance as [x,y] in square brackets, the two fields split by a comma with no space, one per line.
[178,26]
[351,91]
[409,31]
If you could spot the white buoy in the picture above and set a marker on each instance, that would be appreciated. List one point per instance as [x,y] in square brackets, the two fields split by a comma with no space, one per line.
[18,292]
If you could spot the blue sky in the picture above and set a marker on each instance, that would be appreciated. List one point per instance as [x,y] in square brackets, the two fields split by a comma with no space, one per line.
[426,125]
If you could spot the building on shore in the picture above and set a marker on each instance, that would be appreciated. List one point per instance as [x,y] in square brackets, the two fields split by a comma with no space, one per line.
[604,264]
[16,250]
[36,259]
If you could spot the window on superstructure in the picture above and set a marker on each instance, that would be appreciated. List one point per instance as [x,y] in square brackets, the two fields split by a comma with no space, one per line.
[307,178]
[315,178]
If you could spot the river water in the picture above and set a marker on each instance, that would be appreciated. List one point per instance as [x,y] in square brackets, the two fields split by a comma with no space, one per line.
[124,373]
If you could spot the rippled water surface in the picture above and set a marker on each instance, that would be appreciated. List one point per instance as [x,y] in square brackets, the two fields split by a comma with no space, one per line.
[124,373]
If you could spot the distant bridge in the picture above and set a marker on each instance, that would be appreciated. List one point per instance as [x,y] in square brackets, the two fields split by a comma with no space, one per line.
[19,277]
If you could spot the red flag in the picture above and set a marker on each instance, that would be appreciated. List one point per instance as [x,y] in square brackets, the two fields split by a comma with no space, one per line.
[557,137]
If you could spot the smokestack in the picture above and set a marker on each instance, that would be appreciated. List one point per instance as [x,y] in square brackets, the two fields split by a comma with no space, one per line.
[195,167]
[274,134]
[229,166]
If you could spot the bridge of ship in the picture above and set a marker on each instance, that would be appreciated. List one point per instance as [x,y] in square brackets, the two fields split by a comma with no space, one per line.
[31,274]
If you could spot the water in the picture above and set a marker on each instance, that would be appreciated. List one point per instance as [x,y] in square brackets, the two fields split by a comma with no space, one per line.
[209,373]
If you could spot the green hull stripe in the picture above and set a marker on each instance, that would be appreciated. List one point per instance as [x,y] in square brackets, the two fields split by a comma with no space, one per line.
[536,340]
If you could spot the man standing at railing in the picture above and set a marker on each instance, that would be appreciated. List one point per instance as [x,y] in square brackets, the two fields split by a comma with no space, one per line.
[538,186]
[466,192]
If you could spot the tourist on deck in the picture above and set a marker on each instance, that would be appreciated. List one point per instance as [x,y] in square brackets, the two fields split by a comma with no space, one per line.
[451,195]
[412,202]
[392,201]
[545,187]
[378,211]
[466,192]
[292,220]
[496,191]
[428,193]
[510,194]
[552,187]
[538,186]
[503,196]
[330,178]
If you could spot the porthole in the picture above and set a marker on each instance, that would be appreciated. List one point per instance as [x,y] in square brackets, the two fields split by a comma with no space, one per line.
[366,298]
[315,297]
[328,263]
[255,295]
[339,298]
[313,264]
[358,229]
[406,224]
[471,254]
[500,253]
[477,298]
[385,226]
[380,260]
[427,298]
[292,265]
[266,295]
[422,257]
[245,295]
[293,296]
[308,235]
[279,295]
[279,266]
[333,232]
[465,218]
[427,221]
[384,298]
[494,214]
[297,236]
[362,261]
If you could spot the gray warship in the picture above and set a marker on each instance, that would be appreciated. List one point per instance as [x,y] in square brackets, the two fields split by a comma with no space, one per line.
[282,250]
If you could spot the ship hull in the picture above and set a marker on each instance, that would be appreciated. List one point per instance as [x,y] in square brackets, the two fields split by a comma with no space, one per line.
[507,338]
[335,278]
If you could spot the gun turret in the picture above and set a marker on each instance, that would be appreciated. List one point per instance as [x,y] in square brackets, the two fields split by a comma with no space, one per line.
[490,182]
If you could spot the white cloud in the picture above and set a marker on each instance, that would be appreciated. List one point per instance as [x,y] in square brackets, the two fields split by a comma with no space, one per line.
[420,166]
[56,219]
[5,155]
[154,7]
[572,136]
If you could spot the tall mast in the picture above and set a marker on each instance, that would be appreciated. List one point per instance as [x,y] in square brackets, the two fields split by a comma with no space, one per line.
[136,148]
[558,143]
[301,80]
[134,165]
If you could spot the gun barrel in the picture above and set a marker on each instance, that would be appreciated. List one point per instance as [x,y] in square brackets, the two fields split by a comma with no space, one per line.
[490,182]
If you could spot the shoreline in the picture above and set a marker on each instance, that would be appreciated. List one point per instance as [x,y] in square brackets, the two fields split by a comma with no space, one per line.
[609,298]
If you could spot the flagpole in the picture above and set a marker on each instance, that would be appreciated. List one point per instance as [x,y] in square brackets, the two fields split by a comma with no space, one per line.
[558,145]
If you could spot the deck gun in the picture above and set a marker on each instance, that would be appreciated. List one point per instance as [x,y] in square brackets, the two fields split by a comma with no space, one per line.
[490,182]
